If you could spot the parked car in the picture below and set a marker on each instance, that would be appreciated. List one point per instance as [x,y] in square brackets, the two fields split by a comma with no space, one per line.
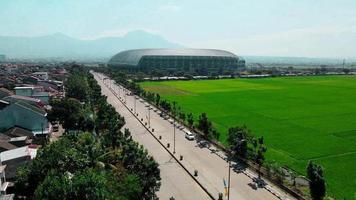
[55,127]
[189,135]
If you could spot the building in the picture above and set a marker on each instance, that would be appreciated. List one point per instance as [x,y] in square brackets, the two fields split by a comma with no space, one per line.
[4,185]
[5,92]
[177,59]
[41,75]
[24,115]
[2,58]
[16,157]
[34,92]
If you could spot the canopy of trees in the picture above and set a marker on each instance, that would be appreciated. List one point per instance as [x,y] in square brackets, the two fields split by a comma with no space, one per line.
[104,163]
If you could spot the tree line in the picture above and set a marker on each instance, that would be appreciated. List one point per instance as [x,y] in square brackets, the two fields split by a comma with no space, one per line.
[241,143]
[96,161]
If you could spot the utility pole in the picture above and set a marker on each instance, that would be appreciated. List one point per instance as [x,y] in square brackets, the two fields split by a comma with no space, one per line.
[228,187]
[135,105]
[174,135]
[149,116]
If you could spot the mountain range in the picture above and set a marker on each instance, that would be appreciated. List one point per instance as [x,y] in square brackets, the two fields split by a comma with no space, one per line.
[62,46]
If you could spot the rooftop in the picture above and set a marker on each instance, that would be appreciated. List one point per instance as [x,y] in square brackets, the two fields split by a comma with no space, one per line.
[18,153]
[23,88]
[132,57]
[18,131]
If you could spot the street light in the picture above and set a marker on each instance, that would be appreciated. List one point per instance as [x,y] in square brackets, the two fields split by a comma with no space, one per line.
[174,135]
[149,116]
[135,105]
[228,187]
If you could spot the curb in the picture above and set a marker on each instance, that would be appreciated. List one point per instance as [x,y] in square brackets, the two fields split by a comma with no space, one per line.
[176,159]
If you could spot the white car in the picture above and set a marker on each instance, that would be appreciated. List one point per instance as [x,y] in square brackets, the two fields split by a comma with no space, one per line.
[189,135]
[171,121]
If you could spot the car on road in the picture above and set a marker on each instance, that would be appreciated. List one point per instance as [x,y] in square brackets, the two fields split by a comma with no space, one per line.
[171,121]
[189,135]
[55,127]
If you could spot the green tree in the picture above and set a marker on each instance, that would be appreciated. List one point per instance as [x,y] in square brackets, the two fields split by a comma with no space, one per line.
[158,99]
[238,140]
[77,87]
[317,184]
[182,116]
[71,114]
[190,120]
[259,153]
[88,184]
[204,124]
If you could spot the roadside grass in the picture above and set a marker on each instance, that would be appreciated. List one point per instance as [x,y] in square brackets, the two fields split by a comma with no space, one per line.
[301,118]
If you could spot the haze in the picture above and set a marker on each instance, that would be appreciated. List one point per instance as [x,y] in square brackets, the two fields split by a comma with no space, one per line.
[319,28]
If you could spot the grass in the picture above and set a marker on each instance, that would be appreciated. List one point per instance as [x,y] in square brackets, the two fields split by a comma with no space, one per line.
[301,118]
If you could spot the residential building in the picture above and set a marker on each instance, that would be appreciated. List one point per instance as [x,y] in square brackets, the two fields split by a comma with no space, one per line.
[24,115]
[34,92]
[41,75]
[16,157]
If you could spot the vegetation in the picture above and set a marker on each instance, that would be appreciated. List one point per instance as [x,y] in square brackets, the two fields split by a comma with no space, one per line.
[104,163]
[317,183]
[301,118]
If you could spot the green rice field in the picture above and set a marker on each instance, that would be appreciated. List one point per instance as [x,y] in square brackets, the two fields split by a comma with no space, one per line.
[301,118]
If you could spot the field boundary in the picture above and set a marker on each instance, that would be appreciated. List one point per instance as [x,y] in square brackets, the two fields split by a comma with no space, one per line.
[223,149]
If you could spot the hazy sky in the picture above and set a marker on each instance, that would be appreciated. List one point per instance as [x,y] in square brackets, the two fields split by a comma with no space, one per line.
[314,28]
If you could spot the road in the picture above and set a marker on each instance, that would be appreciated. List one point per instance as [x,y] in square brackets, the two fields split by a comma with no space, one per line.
[197,155]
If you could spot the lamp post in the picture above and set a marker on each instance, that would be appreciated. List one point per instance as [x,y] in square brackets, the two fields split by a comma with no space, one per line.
[228,187]
[149,116]
[174,136]
[135,104]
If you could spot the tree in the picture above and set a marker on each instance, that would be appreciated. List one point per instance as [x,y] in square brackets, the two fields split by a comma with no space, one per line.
[204,124]
[89,184]
[77,87]
[259,153]
[346,70]
[182,116]
[190,120]
[317,183]
[158,99]
[70,113]
[237,139]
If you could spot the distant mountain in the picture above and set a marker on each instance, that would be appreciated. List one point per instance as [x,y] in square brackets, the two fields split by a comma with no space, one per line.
[62,46]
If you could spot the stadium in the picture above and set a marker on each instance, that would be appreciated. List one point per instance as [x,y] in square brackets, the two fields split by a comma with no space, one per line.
[177,59]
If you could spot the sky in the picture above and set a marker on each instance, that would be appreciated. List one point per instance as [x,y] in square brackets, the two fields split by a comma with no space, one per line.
[305,28]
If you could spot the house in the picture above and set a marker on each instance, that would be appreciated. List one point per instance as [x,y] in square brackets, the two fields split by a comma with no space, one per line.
[16,157]
[29,100]
[24,91]
[24,115]
[41,75]
[5,92]
[34,92]
[4,185]
[18,132]
[4,146]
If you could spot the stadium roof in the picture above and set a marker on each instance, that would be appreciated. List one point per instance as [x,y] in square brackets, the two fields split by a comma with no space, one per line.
[133,57]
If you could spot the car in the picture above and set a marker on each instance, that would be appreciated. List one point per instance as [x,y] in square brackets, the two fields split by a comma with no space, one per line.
[55,127]
[171,121]
[189,135]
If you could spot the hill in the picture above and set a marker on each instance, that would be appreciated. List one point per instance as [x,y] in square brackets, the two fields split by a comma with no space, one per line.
[62,46]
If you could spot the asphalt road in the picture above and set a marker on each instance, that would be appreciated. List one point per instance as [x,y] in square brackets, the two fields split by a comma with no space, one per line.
[197,155]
